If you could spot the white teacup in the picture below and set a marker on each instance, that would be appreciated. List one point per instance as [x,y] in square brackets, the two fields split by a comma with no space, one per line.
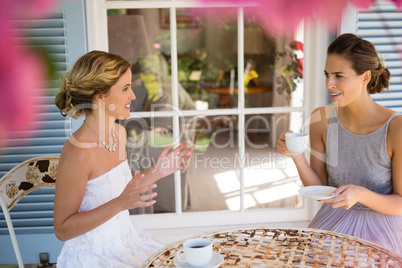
[297,143]
[197,252]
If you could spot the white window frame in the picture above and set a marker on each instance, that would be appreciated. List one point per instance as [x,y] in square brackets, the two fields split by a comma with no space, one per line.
[349,20]
[316,41]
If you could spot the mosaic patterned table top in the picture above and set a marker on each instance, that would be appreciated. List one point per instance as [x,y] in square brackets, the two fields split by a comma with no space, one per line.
[272,247]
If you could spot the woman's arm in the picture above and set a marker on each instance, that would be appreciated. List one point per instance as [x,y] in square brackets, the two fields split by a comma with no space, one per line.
[319,122]
[72,176]
[387,204]
[314,173]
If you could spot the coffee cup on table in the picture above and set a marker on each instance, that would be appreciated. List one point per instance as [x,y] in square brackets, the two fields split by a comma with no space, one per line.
[197,252]
[297,143]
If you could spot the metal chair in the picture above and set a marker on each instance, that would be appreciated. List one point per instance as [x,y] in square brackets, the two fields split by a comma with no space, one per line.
[30,175]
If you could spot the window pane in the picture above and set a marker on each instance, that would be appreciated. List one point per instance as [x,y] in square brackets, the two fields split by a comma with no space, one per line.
[270,179]
[208,79]
[213,174]
[138,36]
[207,56]
[207,61]
[146,138]
[273,66]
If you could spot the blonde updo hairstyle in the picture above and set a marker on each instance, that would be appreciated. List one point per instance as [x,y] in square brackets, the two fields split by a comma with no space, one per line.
[94,73]
[364,57]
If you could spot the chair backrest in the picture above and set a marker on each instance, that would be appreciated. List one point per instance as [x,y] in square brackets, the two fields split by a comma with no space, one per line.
[30,175]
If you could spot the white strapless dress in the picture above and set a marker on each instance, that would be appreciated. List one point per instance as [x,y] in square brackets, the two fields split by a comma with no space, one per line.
[115,243]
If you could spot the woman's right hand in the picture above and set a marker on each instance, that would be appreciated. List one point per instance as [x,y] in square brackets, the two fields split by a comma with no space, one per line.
[131,196]
[281,147]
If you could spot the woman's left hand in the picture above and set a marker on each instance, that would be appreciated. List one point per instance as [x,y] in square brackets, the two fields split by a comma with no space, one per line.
[175,160]
[345,196]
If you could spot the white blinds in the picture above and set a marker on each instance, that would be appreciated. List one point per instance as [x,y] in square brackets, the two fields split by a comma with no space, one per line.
[382,25]
[34,213]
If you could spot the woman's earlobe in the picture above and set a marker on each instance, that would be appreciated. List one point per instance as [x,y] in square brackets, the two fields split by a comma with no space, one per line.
[98,97]
[367,76]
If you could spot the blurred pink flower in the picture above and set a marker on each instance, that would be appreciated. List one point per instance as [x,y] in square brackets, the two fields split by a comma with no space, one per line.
[22,70]
[21,80]
[283,16]
[398,3]
[29,8]
[363,3]
[157,46]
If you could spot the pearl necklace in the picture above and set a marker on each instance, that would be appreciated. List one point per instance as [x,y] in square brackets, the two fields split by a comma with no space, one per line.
[107,146]
[111,148]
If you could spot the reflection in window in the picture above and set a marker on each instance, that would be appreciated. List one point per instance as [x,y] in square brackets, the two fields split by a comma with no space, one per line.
[271,180]
[213,174]
[207,59]
[207,62]
[146,138]
[138,36]
[208,80]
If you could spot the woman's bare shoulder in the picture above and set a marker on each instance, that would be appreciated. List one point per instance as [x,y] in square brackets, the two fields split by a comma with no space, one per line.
[319,122]
[395,127]
[75,155]
[75,149]
[394,143]
[321,115]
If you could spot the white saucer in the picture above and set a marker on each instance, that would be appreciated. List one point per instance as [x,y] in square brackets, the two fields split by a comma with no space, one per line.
[216,260]
[318,192]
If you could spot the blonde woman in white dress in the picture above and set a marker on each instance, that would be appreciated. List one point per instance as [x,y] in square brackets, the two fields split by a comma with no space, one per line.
[94,185]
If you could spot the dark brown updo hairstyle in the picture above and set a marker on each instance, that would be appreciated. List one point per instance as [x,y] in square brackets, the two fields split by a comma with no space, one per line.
[364,57]
[94,73]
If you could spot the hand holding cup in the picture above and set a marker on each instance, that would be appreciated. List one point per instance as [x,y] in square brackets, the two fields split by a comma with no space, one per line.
[297,143]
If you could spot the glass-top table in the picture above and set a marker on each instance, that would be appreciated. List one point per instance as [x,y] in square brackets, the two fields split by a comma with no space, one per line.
[290,247]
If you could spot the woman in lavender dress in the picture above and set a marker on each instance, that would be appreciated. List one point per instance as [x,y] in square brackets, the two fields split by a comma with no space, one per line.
[356,146]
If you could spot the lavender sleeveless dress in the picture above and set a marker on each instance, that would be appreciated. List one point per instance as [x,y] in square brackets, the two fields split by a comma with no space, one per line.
[360,160]
[114,244]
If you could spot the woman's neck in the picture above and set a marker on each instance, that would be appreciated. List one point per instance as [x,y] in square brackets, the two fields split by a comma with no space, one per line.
[357,111]
[102,126]
[361,119]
